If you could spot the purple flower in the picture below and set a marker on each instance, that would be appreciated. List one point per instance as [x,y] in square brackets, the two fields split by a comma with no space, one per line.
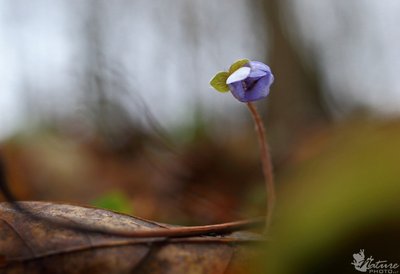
[251,82]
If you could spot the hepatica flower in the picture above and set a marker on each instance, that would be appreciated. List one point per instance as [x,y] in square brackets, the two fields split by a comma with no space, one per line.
[250,81]
[247,80]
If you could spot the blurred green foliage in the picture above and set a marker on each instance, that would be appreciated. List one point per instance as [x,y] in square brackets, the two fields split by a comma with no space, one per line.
[339,199]
[114,200]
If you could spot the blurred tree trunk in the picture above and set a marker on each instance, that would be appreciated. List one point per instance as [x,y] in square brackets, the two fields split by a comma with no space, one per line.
[295,105]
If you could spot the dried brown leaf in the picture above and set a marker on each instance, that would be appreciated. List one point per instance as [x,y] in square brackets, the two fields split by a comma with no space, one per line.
[39,245]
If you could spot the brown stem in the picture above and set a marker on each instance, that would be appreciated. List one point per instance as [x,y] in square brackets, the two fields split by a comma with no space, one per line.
[266,163]
[186,231]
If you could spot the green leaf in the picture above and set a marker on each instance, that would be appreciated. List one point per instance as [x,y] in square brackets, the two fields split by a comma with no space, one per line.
[219,81]
[237,65]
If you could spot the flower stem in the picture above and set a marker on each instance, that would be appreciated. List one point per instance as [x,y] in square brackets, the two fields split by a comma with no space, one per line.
[265,162]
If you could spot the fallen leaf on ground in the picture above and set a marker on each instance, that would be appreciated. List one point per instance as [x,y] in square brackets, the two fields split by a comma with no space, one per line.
[41,245]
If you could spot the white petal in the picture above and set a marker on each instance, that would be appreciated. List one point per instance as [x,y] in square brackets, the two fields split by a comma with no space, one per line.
[238,75]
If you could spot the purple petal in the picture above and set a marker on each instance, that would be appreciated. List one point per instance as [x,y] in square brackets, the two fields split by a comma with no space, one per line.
[260,89]
[237,90]
[256,65]
[257,73]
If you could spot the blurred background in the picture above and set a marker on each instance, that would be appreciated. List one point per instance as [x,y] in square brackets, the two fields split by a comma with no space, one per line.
[108,103]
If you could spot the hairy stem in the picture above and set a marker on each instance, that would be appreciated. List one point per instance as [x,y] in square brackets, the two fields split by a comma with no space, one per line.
[266,163]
